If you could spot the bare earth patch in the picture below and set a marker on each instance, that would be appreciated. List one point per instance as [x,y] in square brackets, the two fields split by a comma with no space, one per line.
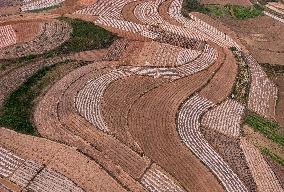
[225,2]
[267,46]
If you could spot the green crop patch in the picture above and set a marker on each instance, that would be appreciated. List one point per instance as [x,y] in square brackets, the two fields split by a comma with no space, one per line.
[266,127]
[18,107]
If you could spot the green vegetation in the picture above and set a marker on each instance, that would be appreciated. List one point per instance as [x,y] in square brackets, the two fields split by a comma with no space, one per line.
[17,110]
[233,11]
[273,156]
[266,127]
[241,12]
[240,89]
[193,5]
[4,63]
[273,70]
[85,36]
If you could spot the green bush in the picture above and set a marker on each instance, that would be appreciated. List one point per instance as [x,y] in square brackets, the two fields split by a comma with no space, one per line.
[241,12]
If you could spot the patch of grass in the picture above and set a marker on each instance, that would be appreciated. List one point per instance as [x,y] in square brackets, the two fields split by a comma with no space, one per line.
[85,36]
[266,127]
[17,110]
[233,11]
[273,156]
[193,5]
[273,70]
[4,63]
[216,11]
[241,12]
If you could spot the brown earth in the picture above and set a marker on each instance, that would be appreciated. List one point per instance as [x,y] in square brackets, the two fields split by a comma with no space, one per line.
[26,31]
[117,101]
[261,141]
[130,55]
[83,171]
[8,184]
[92,55]
[267,46]
[221,26]
[87,2]
[163,12]
[145,53]
[62,123]
[223,81]
[229,149]
[27,17]
[128,12]
[11,10]
[280,103]
[70,6]
[152,122]
[225,2]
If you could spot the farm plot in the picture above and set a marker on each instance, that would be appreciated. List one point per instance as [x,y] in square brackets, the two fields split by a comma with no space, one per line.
[54,33]
[111,8]
[195,24]
[229,149]
[59,164]
[9,162]
[9,83]
[258,166]
[27,31]
[25,173]
[225,118]
[40,4]
[105,149]
[189,130]
[117,101]
[164,55]
[7,36]
[263,92]
[156,179]
[152,124]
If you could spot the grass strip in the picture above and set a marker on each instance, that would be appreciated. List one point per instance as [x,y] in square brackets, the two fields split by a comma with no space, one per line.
[273,156]
[237,12]
[18,107]
[266,127]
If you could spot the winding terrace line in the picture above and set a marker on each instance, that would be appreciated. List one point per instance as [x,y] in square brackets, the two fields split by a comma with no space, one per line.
[152,123]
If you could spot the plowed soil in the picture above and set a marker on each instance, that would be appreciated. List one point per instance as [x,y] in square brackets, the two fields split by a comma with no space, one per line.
[86,173]
[267,46]
[26,31]
[225,2]
[152,122]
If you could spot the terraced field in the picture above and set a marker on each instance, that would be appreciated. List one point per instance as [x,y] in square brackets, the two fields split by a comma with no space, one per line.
[141,97]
